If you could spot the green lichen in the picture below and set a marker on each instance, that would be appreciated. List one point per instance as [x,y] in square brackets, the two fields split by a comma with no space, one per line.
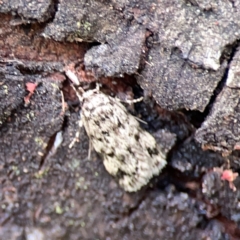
[54,85]
[82,224]
[70,222]
[40,174]
[87,26]
[74,164]
[30,116]
[40,142]
[16,170]
[80,183]
[58,210]
[5,88]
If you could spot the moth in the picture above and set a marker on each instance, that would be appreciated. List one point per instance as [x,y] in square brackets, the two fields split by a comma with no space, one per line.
[129,153]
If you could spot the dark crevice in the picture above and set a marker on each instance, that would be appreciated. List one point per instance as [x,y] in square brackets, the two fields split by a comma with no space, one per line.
[149,42]
[227,55]
[133,209]
[180,181]
[48,150]
[94,44]
[50,145]
[196,117]
[27,70]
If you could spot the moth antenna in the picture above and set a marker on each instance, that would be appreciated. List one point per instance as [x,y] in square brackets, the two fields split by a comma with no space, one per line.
[133,100]
[79,92]
[76,138]
[75,82]
[72,76]
[97,86]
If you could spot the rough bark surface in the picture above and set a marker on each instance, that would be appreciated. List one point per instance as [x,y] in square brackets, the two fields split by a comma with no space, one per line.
[182,53]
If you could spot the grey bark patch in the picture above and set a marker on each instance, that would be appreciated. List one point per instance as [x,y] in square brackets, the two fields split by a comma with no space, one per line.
[118,57]
[153,208]
[177,208]
[85,21]
[175,84]
[26,133]
[220,131]
[217,191]
[28,11]
[12,91]
[165,139]
[199,35]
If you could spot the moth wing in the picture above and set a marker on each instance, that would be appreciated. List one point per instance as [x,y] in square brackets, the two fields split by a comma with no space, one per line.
[129,152]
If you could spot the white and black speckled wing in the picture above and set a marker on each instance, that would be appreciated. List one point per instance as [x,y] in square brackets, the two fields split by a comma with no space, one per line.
[129,153]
